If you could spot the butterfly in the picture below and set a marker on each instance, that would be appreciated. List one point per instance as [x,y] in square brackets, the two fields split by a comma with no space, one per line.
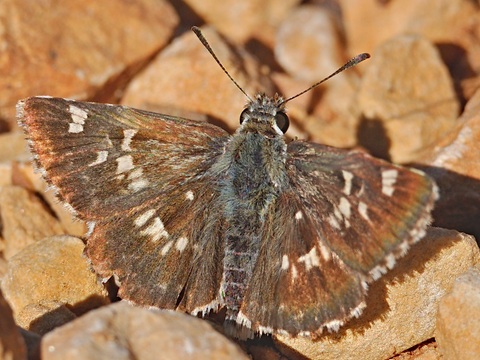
[285,236]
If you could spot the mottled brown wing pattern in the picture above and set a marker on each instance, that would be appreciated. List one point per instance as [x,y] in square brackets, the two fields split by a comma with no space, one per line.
[344,221]
[141,202]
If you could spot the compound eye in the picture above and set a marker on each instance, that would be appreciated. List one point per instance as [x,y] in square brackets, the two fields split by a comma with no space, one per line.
[282,121]
[243,115]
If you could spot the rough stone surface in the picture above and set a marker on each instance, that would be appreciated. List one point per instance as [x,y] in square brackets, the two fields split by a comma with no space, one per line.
[308,43]
[82,55]
[257,17]
[407,99]
[121,331]
[454,163]
[25,219]
[24,175]
[453,25]
[12,147]
[47,275]
[458,333]
[428,351]
[309,47]
[402,305]
[188,65]
[12,346]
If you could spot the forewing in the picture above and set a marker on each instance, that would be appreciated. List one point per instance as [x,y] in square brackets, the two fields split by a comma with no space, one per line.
[343,221]
[142,182]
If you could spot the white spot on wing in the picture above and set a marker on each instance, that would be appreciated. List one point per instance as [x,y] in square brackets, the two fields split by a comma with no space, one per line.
[156,230]
[324,251]
[78,117]
[334,222]
[101,158]
[363,210]
[189,195]
[389,178]
[75,128]
[143,218]
[294,272]
[344,207]
[181,243]
[347,176]
[310,259]
[166,248]
[285,262]
[138,184]
[128,135]
[124,163]
[298,215]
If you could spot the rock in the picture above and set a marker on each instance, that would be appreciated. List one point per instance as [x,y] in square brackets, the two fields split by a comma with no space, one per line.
[200,86]
[47,276]
[425,351]
[454,163]
[257,17]
[12,346]
[24,175]
[458,319]
[89,51]
[407,99]
[25,219]
[453,25]
[402,305]
[121,331]
[13,147]
[309,47]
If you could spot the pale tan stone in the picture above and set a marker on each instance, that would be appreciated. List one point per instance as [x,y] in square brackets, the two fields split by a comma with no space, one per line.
[185,76]
[47,275]
[25,219]
[121,331]
[73,49]
[402,305]
[308,43]
[23,174]
[12,147]
[454,163]
[458,319]
[242,20]
[407,91]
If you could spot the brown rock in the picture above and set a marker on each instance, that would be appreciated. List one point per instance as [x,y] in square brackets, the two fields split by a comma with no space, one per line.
[406,98]
[25,219]
[12,346]
[122,331]
[428,351]
[308,43]
[48,273]
[458,319]
[454,163]
[45,316]
[309,46]
[402,305]
[188,79]
[82,55]
[25,176]
[240,21]
[12,147]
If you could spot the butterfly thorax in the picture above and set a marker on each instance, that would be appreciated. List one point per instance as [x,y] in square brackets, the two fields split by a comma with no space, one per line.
[250,186]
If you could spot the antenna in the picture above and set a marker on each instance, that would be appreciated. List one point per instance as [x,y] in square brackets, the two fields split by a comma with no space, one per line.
[352,62]
[205,43]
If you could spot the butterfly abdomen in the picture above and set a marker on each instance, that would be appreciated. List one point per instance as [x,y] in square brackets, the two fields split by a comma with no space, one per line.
[248,196]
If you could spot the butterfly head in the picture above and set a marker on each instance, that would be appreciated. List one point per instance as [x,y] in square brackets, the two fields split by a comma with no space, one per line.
[265,115]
